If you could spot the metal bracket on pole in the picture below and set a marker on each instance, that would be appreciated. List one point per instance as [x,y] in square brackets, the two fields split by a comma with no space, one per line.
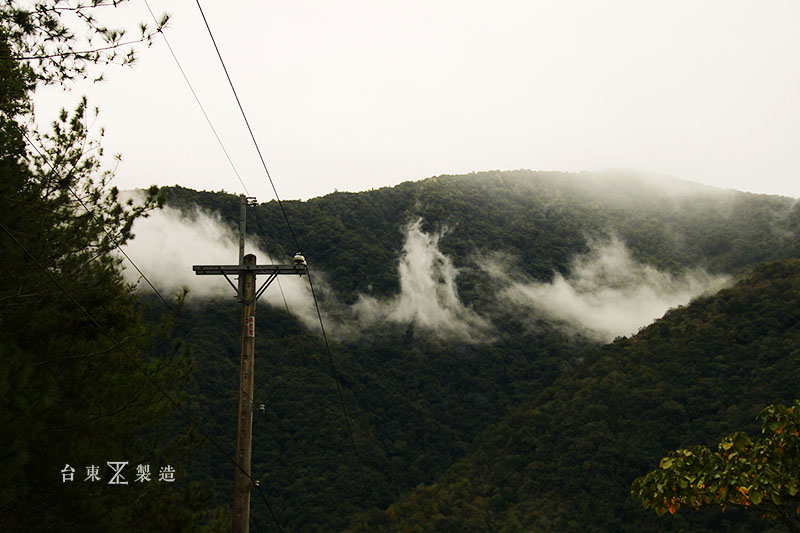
[266,284]
[205,270]
[242,230]
[272,272]
[247,269]
[235,288]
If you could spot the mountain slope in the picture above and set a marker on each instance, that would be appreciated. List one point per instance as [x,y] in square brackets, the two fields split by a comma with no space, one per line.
[415,405]
[418,393]
[542,219]
[566,462]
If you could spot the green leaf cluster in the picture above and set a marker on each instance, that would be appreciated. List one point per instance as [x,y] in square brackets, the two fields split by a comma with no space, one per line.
[762,474]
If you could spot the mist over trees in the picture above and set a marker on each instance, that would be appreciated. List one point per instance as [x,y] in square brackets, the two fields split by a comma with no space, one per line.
[566,460]
[427,408]
[480,330]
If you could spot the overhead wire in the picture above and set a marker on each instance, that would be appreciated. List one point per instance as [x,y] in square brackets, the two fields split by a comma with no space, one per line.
[297,244]
[197,99]
[249,129]
[139,367]
[211,125]
[336,378]
[278,279]
[144,276]
[244,187]
[94,217]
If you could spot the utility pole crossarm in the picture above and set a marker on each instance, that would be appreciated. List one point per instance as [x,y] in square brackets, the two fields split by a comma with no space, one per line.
[206,270]
[247,294]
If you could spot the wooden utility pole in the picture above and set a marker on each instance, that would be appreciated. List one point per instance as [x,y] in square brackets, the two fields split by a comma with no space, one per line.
[247,294]
[244,434]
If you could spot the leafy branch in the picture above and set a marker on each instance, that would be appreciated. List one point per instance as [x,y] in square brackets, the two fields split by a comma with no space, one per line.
[41,36]
[762,474]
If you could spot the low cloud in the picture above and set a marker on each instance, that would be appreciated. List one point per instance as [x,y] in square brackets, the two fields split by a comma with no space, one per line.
[169,242]
[428,295]
[607,293]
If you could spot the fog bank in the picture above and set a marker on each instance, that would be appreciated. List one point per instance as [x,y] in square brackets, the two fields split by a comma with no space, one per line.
[169,242]
[428,295]
[607,293]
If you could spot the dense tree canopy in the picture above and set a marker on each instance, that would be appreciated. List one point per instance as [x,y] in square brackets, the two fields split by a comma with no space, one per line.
[541,219]
[565,461]
[74,349]
[422,407]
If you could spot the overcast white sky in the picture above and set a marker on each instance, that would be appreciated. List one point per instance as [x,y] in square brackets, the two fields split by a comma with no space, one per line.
[359,94]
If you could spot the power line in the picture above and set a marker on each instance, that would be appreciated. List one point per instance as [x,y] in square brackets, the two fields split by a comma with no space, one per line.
[213,129]
[197,99]
[130,260]
[94,217]
[336,377]
[269,258]
[297,244]
[219,141]
[244,187]
[138,366]
[249,129]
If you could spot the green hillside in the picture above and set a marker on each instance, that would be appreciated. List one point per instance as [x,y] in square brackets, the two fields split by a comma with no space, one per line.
[541,218]
[418,402]
[565,462]
[470,318]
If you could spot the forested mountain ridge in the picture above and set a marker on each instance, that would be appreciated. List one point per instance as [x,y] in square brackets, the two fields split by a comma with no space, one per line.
[542,219]
[418,401]
[566,461]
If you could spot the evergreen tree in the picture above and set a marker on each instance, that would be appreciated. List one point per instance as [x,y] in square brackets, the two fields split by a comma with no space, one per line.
[73,346]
